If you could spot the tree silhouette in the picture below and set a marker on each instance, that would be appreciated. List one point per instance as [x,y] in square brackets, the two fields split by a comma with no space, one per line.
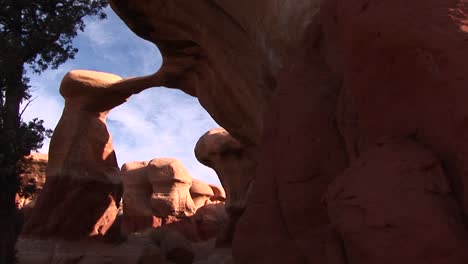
[35,34]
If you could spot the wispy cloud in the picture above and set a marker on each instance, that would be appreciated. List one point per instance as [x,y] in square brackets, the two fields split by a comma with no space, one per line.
[158,122]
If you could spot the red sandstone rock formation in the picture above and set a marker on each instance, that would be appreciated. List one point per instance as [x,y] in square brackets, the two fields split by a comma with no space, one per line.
[159,193]
[33,169]
[289,187]
[235,165]
[219,195]
[154,191]
[394,203]
[83,186]
[226,53]
[201,193]
[232,161]
[354,74]
[210,220]
[207,223]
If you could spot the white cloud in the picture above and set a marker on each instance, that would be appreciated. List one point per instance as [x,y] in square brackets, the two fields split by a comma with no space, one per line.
[158,122]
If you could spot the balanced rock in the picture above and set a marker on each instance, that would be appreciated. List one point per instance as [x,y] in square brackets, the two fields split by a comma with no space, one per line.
[82,190]
[83,187]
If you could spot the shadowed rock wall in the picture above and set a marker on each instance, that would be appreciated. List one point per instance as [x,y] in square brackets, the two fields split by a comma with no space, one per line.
[318,90]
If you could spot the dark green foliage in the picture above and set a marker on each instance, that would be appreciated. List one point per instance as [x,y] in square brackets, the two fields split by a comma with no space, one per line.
[35,34]
[41,32]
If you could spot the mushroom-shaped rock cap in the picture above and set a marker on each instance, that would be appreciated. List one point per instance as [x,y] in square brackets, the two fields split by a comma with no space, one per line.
[200,188]
[77,82]
[164,170]
[200,192]
[233,162]
[218,193]
[171,182]
[214,142]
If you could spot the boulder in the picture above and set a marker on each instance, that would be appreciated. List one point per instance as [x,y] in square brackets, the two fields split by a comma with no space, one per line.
[201,193]
[210,221]
[137,191]
[155,191]
[219,195]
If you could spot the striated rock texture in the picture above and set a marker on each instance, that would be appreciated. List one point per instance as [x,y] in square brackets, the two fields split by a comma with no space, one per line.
[154,191]
[83,185]
[225,53]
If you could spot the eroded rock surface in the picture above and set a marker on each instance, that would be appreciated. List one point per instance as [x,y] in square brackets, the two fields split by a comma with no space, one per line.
[225,53]
[201,193]
[235,165]
[393,204]
[219,195]
[302,154]
[232,161]
[314,91]
[154,191]
[83,186]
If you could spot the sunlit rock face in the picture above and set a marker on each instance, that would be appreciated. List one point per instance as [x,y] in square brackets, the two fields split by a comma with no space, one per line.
[154,191]
[83,187]
[226,53]
[201,193]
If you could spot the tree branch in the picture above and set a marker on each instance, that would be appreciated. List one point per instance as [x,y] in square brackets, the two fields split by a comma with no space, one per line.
[26,106]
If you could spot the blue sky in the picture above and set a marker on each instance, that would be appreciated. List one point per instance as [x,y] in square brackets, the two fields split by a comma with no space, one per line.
[158,122]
